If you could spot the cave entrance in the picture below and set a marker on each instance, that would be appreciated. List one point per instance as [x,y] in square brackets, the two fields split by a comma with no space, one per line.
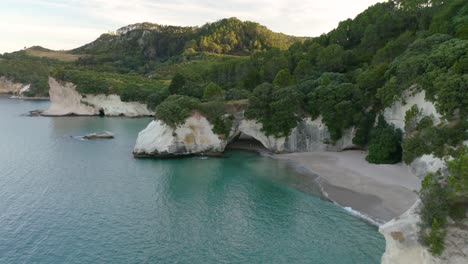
[246,142]
[101,112]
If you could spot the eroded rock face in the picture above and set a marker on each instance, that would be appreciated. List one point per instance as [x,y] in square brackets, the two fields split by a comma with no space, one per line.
[196,137]
[309,135]
[426,163]
[403,246]
[13,88]
[401,234]
[395,114]
[193,137]
[65,100]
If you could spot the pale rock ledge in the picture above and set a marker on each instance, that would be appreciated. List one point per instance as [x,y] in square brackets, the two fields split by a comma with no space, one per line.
[13,88]
[195,136]
[65,100]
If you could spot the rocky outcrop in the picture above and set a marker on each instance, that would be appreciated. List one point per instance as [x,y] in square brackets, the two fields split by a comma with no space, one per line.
[65,100]
[426,163]
[401,234]
[403,246]
[13,88]
[196,137]
[395,114]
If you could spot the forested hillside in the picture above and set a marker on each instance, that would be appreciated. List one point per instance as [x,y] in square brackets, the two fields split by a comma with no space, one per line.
[347,77]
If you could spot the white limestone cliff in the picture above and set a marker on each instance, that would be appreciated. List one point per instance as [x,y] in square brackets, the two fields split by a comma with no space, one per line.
[195,136]
[309,135]
[395,114]
[401,234]
[65,100]
[12,88]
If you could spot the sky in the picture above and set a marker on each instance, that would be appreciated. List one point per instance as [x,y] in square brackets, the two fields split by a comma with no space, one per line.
[67,24]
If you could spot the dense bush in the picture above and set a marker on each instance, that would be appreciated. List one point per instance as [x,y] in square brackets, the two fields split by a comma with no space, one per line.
[27,70]
[441,141]
[277,109]
[283,79]
[237,94]
[213,91]
[176,109]
[442,197]
[340,105]
[384,144]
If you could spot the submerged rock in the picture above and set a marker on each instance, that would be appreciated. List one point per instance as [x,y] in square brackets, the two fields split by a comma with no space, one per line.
[103,135]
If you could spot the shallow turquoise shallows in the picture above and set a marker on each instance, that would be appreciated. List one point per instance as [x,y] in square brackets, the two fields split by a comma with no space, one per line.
[65,200]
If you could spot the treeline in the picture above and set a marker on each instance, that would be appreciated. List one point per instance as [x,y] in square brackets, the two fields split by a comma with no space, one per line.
[352,73]
[143,46]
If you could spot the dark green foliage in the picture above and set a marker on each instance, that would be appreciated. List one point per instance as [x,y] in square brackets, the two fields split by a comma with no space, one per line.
[440,200]
[237,94]
[331,58]
[215,112]
[277,109]
[21,68]
[458,180]
[384,144]
[130,87]
[176,109]
[233,36]
[433,63]
[364,128]
[283,78]
[435,200]
[435,238]
[338,103]
[213,91]
[177,84]
[452,19]
[427,139]
[157,97]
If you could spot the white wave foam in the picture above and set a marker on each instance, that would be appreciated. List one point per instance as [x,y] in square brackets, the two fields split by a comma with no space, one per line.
[363,216]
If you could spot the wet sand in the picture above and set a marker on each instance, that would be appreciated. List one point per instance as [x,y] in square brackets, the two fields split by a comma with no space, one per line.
[380,192]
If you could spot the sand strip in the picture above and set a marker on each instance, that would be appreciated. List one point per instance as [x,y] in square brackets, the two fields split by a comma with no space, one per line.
[381,192]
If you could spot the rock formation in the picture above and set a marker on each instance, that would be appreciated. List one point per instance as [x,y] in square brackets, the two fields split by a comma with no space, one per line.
[195,136]
[12,88]
[65,100]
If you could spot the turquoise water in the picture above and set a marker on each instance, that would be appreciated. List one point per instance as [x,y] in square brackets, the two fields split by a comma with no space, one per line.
[64,200]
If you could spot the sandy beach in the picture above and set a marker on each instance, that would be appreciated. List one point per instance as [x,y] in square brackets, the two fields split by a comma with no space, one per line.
[381,192]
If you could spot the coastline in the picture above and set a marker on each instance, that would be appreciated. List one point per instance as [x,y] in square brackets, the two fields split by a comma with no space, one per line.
[376,193]
[11,96]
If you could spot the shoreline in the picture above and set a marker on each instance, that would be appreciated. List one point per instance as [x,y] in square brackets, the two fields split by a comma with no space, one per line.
[375,193]
[11,96]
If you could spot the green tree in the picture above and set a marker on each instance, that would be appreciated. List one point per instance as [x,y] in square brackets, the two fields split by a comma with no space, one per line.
[213,91]
[283,78]
[384,144]
[177,84]
[332,58]
[176,109]
[277,109]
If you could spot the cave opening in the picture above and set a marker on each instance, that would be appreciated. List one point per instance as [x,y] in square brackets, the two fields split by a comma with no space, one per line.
[246,142]
[101,112]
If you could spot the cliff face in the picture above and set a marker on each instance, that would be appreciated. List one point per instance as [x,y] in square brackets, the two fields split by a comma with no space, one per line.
[401,234]
[12,88]
[196,137]
[65,100]
[395,114]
